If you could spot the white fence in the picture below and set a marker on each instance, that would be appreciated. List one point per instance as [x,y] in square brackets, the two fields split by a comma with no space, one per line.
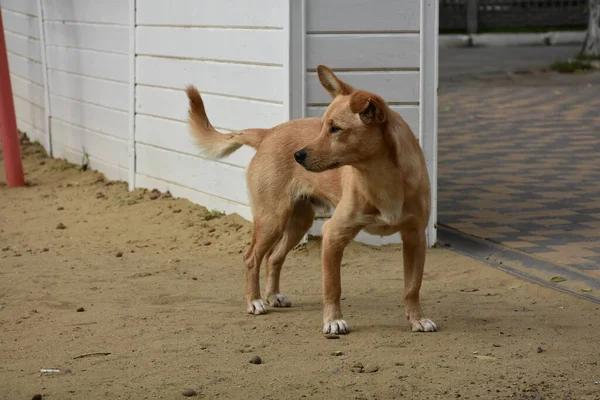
[104,79]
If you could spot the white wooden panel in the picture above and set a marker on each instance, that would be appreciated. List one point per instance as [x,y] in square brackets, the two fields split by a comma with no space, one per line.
[409,113]
[245,45]
[23,46]
[225,112]
[22,24]
[29,113]
[174,135]
[22,6]
[25,68]
[398,86]
[103,147]
[97,91]
[88,36]
[92,117]
[89,63]
[252,81]
[34,134]
[203,199]
[192,172]
[246,13]
[105,11]
[361,15]
[111,171]
[28,90]
[363,51]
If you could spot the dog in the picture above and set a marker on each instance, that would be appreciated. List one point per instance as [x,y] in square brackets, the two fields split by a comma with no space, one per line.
[360,158]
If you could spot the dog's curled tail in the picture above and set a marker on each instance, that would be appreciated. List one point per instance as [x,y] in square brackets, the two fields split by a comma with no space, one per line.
[215,144]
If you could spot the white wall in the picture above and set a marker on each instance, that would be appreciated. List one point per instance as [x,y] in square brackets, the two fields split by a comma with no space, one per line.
[116,75]
[233,51]
[87,56]
[21,28]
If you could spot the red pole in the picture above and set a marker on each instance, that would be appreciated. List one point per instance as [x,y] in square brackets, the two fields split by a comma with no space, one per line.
[8,121]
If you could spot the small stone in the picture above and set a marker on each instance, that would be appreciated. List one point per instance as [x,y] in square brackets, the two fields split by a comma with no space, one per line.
[155,194]
[100,195]
[337,353]
[61,226]
[206,244]
[203,347]
[496,345]
[80,309]
[255,360]
[60,208]
[331,336]
[194,278]
[399,364]
[119,254]
[539,350]
[45,249]
[357,368]
[177,211]
[371,369]
[6,248]
[37,397]
[189,393]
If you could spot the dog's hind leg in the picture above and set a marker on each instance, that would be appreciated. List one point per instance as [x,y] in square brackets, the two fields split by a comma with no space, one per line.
[413,251]
[267,232]
[296,227]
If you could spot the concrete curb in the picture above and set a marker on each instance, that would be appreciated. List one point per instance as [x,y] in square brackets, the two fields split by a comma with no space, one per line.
[511,39]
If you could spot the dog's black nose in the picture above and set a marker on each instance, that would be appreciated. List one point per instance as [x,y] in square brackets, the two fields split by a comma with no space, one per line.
[300,156]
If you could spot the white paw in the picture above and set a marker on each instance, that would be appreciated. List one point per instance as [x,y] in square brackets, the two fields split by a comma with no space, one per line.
[424,325]
[257,307]
[336,327]
[279,300]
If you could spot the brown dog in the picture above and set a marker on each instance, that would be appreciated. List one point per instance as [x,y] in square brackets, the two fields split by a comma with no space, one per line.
[361,158]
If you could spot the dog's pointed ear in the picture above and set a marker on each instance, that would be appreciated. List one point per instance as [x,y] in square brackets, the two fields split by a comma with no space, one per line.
[369,107]
[332,83]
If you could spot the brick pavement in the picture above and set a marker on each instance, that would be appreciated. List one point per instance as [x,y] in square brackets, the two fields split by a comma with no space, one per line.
[519,164]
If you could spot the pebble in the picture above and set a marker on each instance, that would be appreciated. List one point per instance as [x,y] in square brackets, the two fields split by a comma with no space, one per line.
[496,345]
[61,226]
[331,336]
[371,369]
[154,195]
[357,368]
[539,350]
[255,360]
[100,195]
[60,208]
[37,397]
[337,353]
[80,309]
[206,243]
[177,211]
[119,254]
[189,393]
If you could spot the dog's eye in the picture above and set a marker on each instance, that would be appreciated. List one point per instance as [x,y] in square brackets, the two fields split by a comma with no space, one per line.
[334,129]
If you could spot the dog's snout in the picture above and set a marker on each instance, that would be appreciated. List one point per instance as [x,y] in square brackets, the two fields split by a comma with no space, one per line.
[300,156]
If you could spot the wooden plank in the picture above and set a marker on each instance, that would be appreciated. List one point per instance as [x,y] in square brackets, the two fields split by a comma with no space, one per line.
[196,173]
[28,90]
[110,171]
[203,199]
[252,81]
[174,135]
[89,116]
[393,86]
[361,15]
[30,113]
[234,13]
[105,93]
[23,46]
[238,45]
[363,51]
[107,148]
[105,11]
[108,38]
[225,112]
[25,68]
[22,24]
[409,113]
[28,7]
[89,63]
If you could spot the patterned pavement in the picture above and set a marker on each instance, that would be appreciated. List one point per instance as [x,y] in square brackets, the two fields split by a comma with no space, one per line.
[519,164]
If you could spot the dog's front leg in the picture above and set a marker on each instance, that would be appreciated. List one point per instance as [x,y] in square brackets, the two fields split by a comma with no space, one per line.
[413,251]
[337,233]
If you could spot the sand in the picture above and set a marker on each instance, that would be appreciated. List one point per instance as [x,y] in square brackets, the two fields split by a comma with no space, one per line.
[160,281]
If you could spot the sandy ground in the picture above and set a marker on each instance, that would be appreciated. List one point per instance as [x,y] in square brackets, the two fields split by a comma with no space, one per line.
[161,285]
